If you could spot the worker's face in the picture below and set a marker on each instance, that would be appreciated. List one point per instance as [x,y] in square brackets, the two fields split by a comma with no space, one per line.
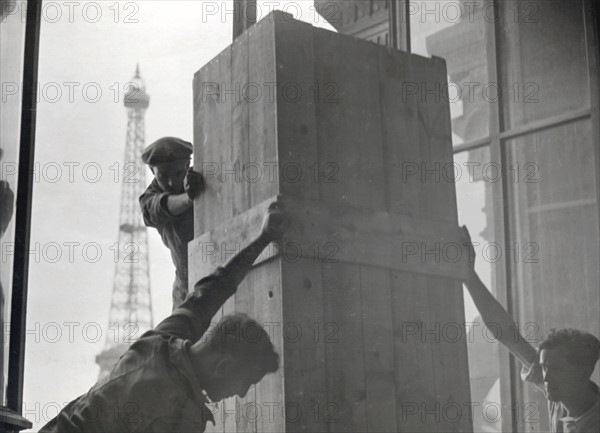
[170,175]
[562,378]
[233,377]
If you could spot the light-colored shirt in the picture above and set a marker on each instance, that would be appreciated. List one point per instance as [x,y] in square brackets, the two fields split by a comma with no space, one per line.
[560,422]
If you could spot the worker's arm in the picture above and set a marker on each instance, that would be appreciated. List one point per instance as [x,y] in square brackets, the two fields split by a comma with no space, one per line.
[159,207]
[193,185]
[179,204]
[192,318]
[495,317]
[153,203]
[275,224]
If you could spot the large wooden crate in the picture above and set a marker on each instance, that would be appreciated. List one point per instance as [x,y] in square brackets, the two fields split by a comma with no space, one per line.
[361,298]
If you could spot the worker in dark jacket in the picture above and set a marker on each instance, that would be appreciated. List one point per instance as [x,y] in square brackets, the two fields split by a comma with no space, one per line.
[167,204]
[166,378]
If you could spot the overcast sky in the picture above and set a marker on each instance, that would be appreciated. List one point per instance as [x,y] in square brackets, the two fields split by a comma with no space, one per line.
[80,151]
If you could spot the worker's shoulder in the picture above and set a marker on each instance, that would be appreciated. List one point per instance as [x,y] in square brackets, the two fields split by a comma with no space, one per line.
[146,352]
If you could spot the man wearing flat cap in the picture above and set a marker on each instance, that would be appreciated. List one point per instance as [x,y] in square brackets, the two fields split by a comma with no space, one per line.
[167,204]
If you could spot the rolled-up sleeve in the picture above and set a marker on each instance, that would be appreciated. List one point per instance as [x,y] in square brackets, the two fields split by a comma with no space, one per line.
[155,210]
[193,317]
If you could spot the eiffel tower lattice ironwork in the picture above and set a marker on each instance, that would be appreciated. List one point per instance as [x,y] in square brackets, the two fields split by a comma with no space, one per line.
[131,304]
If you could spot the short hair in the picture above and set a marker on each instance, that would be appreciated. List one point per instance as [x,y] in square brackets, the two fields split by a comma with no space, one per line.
[583,347]
[244,338]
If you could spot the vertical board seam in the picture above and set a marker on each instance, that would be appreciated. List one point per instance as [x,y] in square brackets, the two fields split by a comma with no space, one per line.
[362,333]
[390,284]
[276,99]
[247,113]
[384,141]
[316,84]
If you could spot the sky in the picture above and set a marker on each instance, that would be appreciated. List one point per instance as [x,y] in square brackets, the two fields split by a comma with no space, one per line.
[87,52]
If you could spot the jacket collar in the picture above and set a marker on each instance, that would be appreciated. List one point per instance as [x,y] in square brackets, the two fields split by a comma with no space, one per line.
[179,355]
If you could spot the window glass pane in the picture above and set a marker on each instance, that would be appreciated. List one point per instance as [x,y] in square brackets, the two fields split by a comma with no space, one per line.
[554,229]
[476,178]
[85,65]
[543,66]
[12,40]
[455,31]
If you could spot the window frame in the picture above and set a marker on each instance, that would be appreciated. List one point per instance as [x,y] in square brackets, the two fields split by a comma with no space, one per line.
[10,415]
[510,383]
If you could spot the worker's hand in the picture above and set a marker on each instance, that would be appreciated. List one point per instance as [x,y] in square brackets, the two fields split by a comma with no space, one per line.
[468,252]
[193,183]
[276,221]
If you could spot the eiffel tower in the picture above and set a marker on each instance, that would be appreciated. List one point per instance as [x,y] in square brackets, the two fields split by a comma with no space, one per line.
[131,305]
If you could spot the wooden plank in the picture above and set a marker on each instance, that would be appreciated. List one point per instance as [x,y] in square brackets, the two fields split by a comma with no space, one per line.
[217,407]
[296,110]
[378,342]
[414,374]
[226,415]
[399,95]
[201,110]
[344,357]
[349,128]
[240,124]
[427,170]
[225,410]
[270,398]
[450,355]
[224,190]
[244,16]
[304,347]
[245,418]
[213,141]
[228,409]
[214,248]
[443,194]
[332,233]
[262,112]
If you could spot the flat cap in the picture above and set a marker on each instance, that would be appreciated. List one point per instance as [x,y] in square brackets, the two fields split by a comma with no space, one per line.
[167,149]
